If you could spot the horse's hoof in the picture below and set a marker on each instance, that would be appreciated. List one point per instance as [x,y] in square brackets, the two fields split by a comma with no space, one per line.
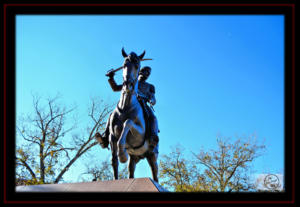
[123,160]
[123,157]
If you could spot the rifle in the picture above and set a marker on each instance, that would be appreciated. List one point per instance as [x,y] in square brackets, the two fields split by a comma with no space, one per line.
[115,70]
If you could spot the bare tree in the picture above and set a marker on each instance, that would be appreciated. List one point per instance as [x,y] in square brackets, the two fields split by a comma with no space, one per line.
[103,172]
[227,166]
[43,154]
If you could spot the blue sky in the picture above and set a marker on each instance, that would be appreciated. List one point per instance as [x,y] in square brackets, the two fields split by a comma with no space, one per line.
[214,74]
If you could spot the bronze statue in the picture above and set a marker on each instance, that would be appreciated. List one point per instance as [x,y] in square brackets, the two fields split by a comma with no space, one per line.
[132,127]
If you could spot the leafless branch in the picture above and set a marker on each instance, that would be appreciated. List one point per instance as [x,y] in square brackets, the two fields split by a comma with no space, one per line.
[24,163]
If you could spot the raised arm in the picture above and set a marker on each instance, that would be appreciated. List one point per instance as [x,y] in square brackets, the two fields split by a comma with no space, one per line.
[112,82]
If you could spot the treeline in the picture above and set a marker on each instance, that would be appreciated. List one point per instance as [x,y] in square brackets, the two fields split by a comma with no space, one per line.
[43,155]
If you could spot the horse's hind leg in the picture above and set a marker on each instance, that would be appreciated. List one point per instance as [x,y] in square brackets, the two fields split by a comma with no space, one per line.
[131,166]
[152,160]
[114,159]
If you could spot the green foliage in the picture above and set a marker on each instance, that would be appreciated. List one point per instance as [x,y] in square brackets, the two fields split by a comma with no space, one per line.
[179,174]
[223,169]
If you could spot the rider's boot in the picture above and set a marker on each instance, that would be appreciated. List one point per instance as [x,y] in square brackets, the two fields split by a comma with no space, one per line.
[153,141]
[103,139]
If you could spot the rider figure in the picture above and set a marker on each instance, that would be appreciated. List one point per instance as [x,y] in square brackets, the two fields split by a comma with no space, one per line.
[146,93]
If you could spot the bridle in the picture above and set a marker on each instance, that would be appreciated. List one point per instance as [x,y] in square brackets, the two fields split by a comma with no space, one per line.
[133,83]
[133,59]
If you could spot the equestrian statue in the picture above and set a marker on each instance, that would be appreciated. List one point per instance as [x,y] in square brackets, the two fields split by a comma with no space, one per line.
[132,127]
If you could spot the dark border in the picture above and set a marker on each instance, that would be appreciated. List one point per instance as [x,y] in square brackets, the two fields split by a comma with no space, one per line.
[10,10]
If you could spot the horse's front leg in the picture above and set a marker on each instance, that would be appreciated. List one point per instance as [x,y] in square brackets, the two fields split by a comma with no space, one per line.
[128,125]
[123,156]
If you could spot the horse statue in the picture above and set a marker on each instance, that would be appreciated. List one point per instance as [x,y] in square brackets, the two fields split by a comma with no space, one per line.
[128,127]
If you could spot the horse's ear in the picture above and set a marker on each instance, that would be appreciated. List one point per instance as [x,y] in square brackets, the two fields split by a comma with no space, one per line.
[124,53]
[142,55]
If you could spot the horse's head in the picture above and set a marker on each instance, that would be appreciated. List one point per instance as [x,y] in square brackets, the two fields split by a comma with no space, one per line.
[131,68]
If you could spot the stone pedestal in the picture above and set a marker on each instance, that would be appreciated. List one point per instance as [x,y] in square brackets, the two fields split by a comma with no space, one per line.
[123,185]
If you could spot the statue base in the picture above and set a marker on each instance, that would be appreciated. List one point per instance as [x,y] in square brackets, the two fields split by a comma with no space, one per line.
[123,185]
